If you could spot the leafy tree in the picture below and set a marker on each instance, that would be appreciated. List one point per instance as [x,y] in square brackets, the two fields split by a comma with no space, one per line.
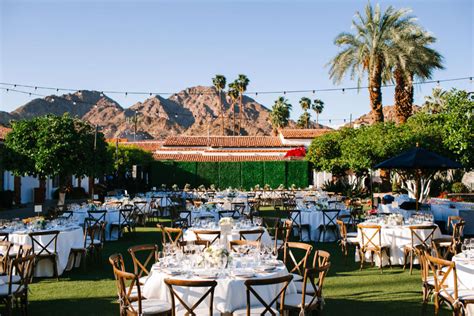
[219,83]
[435,103]
[305,117]
[458,126]
[414,60]
[280,114]
[303,120]
[370,50]
[54,146]
[318,107]
[125,156]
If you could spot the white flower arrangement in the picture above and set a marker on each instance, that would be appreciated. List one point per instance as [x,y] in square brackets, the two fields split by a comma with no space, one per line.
[213,254]
[226,221]
[175,187]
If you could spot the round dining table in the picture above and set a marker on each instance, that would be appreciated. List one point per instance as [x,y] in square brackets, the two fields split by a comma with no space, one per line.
[465,276]
[396,237]
[229,293]
[69,237]
[234,234]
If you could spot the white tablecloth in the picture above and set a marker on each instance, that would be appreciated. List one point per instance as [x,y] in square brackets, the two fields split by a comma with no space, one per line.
[443,208]
[67,239]
[111,216]
[396,237]
[229,293]
[465,272]
[315,219]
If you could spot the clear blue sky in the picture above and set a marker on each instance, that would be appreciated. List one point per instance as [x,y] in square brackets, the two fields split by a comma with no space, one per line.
[171,45]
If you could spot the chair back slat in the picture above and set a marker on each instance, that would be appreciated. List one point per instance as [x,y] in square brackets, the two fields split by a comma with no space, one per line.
[212,235]
[251,289]
[370,236]
[190,310]
[143,267]
[41,245]
[298,266]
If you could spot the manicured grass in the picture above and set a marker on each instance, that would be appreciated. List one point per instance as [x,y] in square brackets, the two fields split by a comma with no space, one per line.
[348,291]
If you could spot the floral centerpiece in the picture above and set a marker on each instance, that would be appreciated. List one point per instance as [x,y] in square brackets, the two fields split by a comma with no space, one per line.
[213,187]
[256,187]
[163,187]
[36,222]
[187,187]
[267,187]
[281,187]
[216,254]
[175,187]
[202,187]
[395,219]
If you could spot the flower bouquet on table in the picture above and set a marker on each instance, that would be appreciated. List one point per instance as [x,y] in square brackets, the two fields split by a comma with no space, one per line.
[217,255]
[175,187]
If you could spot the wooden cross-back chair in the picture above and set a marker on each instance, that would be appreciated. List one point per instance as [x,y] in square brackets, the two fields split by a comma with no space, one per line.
[329,222]
[346,240]
[142,267]
[202,244]
[251,234]
[131,299]
[282,235]
[17,290]
[170,235]
[295,216]
[98,216]
[40,247]
[294,266]
[446,247]
[371,241]
[310,297]
[420,235]
[239,208]
[5,247]
[446,286]
[4,236]
[264,307]
[235,244]
[320,259]
[426,275]
[126,220]
[212,235]
[94,238]
[228,213]
[140,208]
[193,309]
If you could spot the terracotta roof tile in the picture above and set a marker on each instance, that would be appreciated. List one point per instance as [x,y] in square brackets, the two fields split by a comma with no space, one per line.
[4,131]
[304,133]
[224,141]
[206,158]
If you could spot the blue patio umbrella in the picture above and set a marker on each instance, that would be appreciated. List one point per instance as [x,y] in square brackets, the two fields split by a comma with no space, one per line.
[418,159]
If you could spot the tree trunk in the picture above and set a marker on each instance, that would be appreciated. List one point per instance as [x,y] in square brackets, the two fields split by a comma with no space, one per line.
[240,114]
[403,97]
[317,120]
[233,119]
[222,112]
[375,93]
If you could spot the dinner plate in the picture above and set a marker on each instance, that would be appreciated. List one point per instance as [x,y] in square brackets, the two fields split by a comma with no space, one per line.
[242,273]
[205,274]
[266,268]
[173,271]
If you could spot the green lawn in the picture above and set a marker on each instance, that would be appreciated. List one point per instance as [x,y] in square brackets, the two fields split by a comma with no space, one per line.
[347,289]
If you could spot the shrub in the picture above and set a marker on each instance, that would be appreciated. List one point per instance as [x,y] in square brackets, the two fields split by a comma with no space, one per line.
[459,187]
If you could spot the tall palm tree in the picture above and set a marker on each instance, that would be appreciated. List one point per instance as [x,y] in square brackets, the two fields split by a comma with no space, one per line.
[370,50]
[434,103]
[415,60]
[280,114]
[242,82]
[233,96]
[305,105]
[318,107]
[303,120]
[219,83]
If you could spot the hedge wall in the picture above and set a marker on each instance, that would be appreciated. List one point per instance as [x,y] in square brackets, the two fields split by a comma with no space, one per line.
[252,174]
[231,174]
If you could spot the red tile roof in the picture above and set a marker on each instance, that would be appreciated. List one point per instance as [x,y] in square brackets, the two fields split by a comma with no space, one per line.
[304,133]
[224,141]
[206,158]
[4,131]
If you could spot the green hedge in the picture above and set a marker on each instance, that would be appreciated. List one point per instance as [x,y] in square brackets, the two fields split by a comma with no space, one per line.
[252,174]
[274,173]
[230,174]
[297,174]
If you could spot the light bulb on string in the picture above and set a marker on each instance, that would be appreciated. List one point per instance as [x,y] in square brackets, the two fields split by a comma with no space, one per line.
[256,93]
[52,100]
[437,84]
[57,90]
[74,103]
[14,86]
[314,91]
[29,94]
[343,90]
[36,88]
[126,93]
[101,93]
[329,121]
[8,89]
[284,92]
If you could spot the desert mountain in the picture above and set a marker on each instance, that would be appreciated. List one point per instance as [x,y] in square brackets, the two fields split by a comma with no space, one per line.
[193,111]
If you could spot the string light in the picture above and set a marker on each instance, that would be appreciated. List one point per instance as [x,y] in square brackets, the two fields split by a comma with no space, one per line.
[439,81]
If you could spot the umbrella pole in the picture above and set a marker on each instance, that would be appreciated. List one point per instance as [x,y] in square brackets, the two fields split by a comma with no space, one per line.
[417,189]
